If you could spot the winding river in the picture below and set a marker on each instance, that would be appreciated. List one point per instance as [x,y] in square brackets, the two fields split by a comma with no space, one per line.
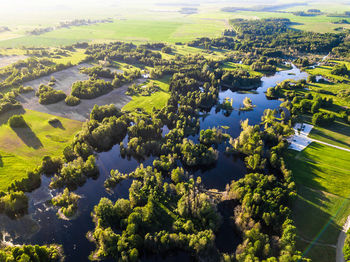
[42,225]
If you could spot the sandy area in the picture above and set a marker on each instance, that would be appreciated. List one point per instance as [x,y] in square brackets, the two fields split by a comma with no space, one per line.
[64,78]
[82,111]
[8,60]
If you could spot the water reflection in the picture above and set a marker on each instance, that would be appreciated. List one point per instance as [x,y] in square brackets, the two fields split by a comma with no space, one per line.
[42,225]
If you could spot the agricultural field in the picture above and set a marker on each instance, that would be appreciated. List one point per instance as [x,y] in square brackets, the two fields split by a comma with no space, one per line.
[21,149]
[133,30]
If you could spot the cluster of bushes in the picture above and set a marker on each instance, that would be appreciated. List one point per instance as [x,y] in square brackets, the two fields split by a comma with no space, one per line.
[50,253]
[17,121]
[323,119]
[13,203]
[72,100]
[67,203]
[75,173]
[48,95]
[27,70]
[239,78]
[340,70]
[91,88]
[98,71]
[8,102]
[142,90]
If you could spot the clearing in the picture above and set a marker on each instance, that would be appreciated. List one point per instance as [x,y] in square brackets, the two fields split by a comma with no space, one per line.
[157,99]
[22,149]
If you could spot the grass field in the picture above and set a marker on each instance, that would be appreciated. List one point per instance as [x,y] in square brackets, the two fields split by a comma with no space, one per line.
[336,134]
[133,30]
[73,57]
[322,175]
[157,99]
[21,149]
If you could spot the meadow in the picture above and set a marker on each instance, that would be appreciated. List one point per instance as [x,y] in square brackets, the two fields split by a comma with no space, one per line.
[322,174]
[156,100]
[22,149]
[131,30]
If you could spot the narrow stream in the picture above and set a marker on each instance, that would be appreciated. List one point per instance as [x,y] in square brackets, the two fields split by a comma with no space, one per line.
[42,225]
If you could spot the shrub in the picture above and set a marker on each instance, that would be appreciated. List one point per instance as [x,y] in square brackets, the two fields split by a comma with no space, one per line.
[322,119]
[25,89]
[166,49]
[72,100]
[48,95]
[17,121]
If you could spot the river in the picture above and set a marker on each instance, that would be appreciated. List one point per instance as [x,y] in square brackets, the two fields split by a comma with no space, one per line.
[42,226]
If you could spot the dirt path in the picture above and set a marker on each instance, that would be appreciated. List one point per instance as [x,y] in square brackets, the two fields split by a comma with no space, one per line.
[341,240]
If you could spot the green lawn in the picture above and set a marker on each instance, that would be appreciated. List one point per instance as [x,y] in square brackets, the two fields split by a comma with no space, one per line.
[322,175]
[326,71]
[336,134]
[157,99]
[235,66]
[21,149]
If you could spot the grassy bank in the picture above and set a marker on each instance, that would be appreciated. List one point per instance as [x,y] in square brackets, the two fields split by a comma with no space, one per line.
[21,149]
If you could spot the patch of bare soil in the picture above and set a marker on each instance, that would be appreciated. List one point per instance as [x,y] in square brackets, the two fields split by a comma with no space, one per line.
[82,111]
[8,60]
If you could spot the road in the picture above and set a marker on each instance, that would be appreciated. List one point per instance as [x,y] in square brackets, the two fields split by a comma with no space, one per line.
[341,240]
[327,144]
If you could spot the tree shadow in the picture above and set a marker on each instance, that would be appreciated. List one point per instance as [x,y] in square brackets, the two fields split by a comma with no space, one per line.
[28,137]
[1,162]
[312,222]
[57,124]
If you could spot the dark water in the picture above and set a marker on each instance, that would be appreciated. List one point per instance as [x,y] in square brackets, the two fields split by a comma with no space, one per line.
[42,226]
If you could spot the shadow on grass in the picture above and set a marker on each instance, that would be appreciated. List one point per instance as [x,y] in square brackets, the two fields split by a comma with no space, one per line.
[1,162]
[315,212]
[28,137]
[57,124]
[303,168]
[313,223]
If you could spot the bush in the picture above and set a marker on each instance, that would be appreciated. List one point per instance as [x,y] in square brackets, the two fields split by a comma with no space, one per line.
[25,89]
[72,100]
[14,203]
[17,121]
[166,49]
[322,119]
[48,95]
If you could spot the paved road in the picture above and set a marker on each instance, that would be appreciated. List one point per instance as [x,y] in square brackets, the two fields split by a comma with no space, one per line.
[327,144]
[341,240]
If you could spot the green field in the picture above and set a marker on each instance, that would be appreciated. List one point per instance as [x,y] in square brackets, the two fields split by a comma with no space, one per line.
[157,100]
[322,175]
[337,134]
[73,57]
[171,31]
[21,149]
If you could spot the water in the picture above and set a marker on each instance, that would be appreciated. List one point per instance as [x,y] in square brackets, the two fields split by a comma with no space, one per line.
[42,225]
